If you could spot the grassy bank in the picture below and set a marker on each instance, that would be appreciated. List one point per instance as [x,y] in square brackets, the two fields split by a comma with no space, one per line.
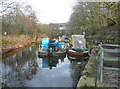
[10,43]
[13,42]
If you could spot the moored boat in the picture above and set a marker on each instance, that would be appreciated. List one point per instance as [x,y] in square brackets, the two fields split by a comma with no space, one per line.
[77,53]
[43,48]
[78,50]
[57,49]
[51,47]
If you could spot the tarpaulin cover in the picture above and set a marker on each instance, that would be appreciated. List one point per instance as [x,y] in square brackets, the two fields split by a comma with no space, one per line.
[45,42]
[78,41]
[81,49]
[61,46]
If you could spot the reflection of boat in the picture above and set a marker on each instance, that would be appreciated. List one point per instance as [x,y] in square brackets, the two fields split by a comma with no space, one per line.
[50,62]
[78,49]
[45,62]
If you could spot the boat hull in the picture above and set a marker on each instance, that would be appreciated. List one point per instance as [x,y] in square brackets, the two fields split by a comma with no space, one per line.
[43,54]
[53,54]
[72,54]
[59,54]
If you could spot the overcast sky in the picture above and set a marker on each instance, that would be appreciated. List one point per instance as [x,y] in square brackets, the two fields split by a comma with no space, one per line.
[52,11]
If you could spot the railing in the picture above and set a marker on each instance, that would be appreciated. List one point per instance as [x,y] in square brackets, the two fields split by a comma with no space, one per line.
[114,56]
[107,48]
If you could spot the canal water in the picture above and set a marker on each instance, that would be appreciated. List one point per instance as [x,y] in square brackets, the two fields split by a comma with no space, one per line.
[26,69]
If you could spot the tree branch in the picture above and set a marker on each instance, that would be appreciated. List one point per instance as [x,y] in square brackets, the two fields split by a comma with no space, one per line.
[9,6]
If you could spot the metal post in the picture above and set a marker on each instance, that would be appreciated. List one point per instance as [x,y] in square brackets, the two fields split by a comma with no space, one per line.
[99,59]
[101,67]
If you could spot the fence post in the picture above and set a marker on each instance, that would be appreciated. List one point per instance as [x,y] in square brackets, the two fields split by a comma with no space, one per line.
[101,67]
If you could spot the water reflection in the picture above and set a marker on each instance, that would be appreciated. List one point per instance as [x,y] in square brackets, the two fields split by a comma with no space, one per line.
[77,66]
[19,68]
[49,62]
[27,69]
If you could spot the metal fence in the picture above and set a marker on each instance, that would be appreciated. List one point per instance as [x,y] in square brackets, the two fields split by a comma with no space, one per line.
[106,56]
[108,53]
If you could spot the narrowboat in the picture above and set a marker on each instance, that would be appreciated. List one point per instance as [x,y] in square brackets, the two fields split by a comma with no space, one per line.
[51,47]
[57,49]
[43,48]
[78,48]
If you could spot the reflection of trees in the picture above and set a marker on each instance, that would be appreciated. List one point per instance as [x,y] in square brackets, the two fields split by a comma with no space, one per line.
[76,70]
[20,68]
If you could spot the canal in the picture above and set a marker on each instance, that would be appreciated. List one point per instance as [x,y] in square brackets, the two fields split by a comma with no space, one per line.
[26,69]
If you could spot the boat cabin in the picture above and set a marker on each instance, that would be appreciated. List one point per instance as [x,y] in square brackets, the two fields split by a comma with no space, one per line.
[78,41]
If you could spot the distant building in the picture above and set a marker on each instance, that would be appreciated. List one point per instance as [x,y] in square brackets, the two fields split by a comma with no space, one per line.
[58,26]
